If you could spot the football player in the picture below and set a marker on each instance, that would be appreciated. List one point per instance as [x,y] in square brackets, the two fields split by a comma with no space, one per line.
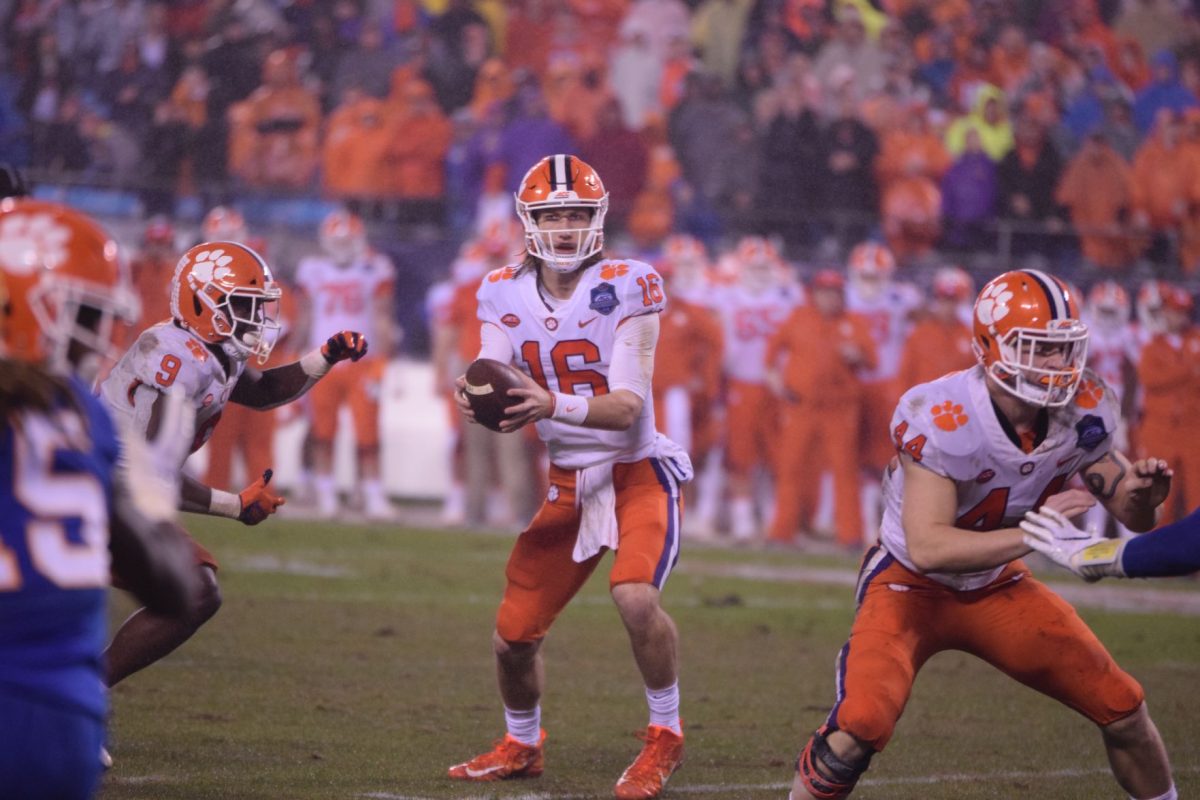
[976,450]
[72,496]
[751,311]
[582,329]
[223,296]
[349,287]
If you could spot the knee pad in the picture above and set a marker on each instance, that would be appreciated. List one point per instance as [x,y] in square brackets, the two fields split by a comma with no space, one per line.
[824,774]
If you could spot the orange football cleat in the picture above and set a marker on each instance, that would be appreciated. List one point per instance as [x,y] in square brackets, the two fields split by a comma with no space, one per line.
[507,759]
[647,775]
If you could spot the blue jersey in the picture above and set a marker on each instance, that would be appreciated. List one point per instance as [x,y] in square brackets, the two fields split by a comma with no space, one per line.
[56,484]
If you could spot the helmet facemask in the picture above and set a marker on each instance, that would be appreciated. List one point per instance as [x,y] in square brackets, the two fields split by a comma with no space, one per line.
[1022,366]
[589,239]
[247,319]
[78,320]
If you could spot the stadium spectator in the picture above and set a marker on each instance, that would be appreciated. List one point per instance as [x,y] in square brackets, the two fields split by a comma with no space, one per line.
[415,157]
[718,29]
[636,73]
[280,125]
[1165,90]
[620,155]
[493,86]
[1097,190]
[1161,181]
[1155,25]
[453,71]
[850,58]
[1168,371]
[911,148]
[527,136]
[817,359]
[707,130]
[969,193]
[989,119]
[847,150]
[790,166]
[355,149]
[368,66]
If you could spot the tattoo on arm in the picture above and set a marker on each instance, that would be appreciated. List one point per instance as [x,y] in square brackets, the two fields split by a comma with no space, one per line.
[1097,484]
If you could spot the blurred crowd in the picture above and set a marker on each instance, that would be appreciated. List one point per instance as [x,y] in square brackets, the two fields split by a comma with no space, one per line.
[781,379]
[928,121]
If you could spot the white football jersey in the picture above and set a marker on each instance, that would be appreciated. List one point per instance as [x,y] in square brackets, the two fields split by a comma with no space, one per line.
[163,356]
[569,349]
[951,428]
[890,318]
[749,320]
[340,297]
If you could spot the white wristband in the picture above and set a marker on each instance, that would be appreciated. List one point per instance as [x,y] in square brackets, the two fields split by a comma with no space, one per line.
[569,408]
[225,504]
[314,364]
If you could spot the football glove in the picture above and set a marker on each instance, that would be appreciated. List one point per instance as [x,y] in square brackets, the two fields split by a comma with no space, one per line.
[1087,554]
[258,502]
[343,345]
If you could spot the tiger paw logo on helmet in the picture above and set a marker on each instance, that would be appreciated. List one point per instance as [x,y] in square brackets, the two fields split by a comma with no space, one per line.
[24,234]
[992,305]
[210,265]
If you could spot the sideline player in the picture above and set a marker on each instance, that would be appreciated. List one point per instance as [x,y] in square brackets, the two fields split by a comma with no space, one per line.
[348,288]
[582,328]
[68,502]
[976,450]
[222,299]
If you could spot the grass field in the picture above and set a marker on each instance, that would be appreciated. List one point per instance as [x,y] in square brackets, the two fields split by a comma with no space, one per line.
[355,662]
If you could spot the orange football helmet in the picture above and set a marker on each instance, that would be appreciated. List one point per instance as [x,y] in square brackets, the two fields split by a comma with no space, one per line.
[1029,337]
[224,293]
[952,283]
[224,224]
[562,181]
[343,237]
[758,263]
[871,266]
[1108,305]
[66,284]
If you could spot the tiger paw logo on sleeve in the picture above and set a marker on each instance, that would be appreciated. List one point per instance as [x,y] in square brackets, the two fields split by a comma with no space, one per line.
[949,416]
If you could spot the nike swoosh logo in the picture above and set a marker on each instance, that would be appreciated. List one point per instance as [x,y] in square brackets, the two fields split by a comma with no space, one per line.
[585,322]
[479,773]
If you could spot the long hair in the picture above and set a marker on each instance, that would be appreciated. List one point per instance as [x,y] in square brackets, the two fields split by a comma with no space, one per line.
[28,387]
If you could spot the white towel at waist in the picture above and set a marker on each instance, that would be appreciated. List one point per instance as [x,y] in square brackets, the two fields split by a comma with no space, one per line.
[597,502]
[597,499]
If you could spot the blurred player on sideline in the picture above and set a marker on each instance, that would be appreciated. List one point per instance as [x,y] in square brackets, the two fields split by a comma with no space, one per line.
[891,306]
[940,342]
[976,450]
[815,363]
[751,311]
[72,495]
[348,287]
[223,299]
[582,329]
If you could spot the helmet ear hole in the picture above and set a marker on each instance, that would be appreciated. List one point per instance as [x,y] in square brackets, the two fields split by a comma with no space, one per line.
[983,340]
[196,307]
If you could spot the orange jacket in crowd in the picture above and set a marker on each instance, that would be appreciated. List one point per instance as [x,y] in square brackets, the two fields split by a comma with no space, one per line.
[420,138]
[903,149]
[1161,177]
[808,348]
[933,349]
[912,216]
[1097,189]
[353,154]
[276,129]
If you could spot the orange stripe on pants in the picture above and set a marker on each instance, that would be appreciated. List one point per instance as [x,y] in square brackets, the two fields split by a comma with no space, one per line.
[1016,624]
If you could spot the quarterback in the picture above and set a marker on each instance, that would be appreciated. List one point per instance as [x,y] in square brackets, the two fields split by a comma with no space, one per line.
[222,313]
[976,450]
[582,329]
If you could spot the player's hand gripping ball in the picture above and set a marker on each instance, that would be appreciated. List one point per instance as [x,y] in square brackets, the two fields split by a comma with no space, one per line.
[488,382]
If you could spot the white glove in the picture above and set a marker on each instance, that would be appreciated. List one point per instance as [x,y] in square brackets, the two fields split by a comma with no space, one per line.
[1086,553]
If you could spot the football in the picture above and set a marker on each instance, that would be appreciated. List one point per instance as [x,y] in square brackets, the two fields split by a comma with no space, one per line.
[488,382]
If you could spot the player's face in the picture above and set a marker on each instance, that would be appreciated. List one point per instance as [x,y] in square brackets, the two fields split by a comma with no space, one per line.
[564,228]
